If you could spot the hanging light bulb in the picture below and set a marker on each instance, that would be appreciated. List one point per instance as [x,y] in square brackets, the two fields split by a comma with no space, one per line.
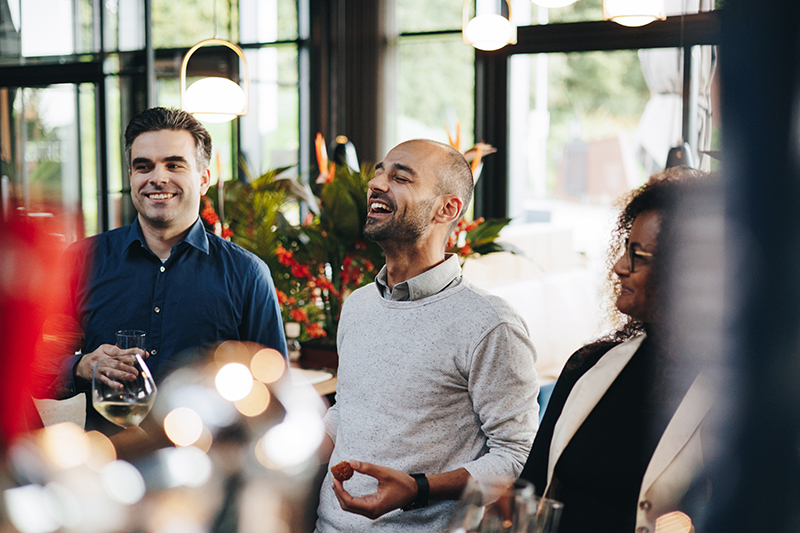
[634,12]
[215,99]
[553,3]
[487,31]
[220,98]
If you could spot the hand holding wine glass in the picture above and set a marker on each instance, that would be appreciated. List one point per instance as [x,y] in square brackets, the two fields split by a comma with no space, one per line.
[125,402]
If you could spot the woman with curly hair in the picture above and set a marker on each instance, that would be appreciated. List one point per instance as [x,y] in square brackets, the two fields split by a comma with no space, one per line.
[619,444]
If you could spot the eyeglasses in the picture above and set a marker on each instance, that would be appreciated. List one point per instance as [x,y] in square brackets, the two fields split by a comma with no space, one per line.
[637,257]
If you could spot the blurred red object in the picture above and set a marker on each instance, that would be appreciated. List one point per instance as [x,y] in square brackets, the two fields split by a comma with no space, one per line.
[35,323]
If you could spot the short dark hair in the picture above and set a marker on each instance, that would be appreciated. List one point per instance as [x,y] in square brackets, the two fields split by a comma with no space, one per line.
[456,177]
[162,118]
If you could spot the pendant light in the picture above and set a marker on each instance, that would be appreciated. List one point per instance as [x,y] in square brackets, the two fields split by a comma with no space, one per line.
[215,99]
[487,31]
[634,12]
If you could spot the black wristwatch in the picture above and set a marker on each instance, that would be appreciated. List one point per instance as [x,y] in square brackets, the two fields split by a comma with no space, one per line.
[423,490]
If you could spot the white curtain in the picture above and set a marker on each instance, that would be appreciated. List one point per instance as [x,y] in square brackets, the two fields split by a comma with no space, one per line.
[660,127]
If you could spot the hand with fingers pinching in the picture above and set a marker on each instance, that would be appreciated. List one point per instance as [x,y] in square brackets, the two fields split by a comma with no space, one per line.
[396,489]
[115,364]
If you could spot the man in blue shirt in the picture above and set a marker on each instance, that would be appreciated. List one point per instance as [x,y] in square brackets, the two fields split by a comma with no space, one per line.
[165,274]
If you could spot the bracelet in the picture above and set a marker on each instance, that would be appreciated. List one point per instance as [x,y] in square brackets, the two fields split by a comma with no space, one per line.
[423,490]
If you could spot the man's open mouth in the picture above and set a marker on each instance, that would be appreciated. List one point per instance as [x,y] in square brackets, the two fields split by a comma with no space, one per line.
[160,195]
[379,208]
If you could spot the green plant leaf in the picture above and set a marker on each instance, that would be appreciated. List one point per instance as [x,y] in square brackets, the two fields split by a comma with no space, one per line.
[495,246]
[488,230]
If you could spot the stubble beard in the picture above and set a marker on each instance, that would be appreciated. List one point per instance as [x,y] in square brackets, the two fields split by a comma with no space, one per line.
[405,226]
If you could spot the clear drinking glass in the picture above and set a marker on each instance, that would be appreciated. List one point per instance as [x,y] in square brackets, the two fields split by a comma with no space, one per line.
[548,516]
[498,505]
[129,405]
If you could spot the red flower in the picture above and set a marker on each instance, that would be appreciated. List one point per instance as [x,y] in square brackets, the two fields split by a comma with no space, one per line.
[299,315]
[315,331]
[227,232]
[474,224]
[324,284]
[208,214]
[282,298]
[300,271]
[465,250]
[284,256]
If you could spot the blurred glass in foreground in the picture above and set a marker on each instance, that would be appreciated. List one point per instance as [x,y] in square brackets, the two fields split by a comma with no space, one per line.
[231,443]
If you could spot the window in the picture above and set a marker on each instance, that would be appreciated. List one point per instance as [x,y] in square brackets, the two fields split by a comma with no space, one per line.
[581,114]
[435,74]
[62,142]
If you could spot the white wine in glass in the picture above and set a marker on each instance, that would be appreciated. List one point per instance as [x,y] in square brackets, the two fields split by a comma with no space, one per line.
[129,405]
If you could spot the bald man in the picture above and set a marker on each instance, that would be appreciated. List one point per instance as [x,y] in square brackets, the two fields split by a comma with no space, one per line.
[436,377]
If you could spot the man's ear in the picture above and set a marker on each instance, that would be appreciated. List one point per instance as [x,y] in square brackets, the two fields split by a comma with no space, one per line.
[205,180]
[450,209]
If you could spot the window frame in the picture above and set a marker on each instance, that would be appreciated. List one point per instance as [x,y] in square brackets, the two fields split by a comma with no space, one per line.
[491,79]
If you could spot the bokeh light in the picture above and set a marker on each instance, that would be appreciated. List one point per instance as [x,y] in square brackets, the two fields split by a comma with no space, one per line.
[295,440]
[179,390]
[65,445]
[102,451]
[183,426]
[234,381]
[268,365]
[27,508]
[187,466]
[205,441]
[232,352]
[123,482]
[63,506]
[256,402]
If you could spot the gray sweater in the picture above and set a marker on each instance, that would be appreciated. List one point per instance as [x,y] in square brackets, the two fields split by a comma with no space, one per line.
[430,385]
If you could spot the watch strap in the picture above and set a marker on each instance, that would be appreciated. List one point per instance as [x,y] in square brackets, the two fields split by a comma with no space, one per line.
[423,491]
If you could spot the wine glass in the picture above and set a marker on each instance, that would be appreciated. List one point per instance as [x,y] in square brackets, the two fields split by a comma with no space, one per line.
[129,405]
[548,516]
[496,505]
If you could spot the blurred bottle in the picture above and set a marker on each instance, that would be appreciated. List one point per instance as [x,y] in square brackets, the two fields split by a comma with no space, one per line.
[292,344]
[343,152]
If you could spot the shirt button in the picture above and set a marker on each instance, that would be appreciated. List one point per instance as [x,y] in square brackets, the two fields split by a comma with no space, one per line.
[163,269]
[645,505]
[157,309]
[153,352]
[642,530]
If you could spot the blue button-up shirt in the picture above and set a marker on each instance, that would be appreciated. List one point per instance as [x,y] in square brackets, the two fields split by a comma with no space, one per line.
[209,290]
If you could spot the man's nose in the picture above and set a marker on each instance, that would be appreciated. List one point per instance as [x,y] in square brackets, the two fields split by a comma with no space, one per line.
[160,174]
[378,183]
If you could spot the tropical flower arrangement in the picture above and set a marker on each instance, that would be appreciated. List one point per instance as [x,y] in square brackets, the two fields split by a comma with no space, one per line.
[319,259]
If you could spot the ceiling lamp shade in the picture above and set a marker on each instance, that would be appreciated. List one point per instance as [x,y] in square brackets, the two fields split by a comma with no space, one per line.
[215,99]
[553,3]
[487,31]
[634,12]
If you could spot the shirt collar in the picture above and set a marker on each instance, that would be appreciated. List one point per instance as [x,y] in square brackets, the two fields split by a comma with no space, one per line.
[196,237]
[430,282]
